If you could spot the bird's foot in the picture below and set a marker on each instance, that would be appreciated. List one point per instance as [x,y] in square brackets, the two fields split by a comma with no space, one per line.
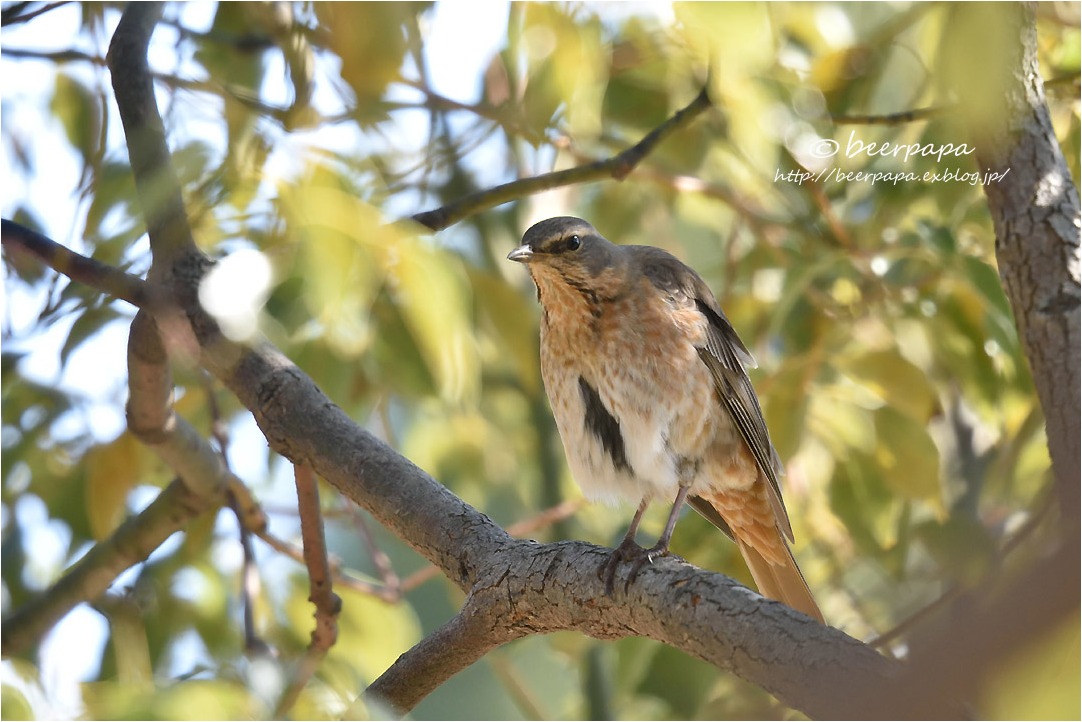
[631,552]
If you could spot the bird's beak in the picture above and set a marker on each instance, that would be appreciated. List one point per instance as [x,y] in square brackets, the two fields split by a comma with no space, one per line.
[522,254]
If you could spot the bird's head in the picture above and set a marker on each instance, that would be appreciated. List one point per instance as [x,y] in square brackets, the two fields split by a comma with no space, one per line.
[569,249]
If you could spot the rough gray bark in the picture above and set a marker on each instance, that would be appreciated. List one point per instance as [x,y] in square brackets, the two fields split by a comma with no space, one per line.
[1035,210]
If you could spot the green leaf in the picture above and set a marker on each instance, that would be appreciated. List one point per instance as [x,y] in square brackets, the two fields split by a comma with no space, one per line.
[896,381]
[428,285]
[961,545]
[906,455]
[192,700]
[864,505]
[842,425]
[79,111]
[373,49]
[86,325]
[513,317]
[14,705]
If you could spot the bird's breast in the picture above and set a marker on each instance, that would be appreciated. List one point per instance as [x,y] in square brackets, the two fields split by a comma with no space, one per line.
[628,365]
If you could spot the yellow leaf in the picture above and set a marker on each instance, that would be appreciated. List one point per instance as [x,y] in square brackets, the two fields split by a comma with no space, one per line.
[112,470]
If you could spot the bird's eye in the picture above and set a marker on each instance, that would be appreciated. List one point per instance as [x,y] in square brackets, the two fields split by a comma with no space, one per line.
[574,243]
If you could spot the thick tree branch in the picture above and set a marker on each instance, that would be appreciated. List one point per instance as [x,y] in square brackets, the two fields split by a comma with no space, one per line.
[466,638]
[554,586]
[618,166]
[1036,212]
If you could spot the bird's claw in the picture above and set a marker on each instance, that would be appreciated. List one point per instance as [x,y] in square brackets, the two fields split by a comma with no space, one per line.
[632,552]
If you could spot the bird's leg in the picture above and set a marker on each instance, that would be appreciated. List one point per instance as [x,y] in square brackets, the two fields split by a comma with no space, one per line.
[631,551]
[627,549]
[662,547]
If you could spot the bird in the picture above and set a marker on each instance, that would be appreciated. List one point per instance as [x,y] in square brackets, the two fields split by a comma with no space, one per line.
[648,385]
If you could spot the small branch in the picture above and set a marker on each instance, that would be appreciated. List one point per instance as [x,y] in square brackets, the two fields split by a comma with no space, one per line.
[155,179]
[11,15]
[328,604]
[340,577]
[130,544]
[109,280]
[53,56]
[250,584]
[250,581]
[380,560]
[837,229]
[905,116]
[152,420]
[466,638]
[618,167]
[315,543]
[149,411]
[546,518]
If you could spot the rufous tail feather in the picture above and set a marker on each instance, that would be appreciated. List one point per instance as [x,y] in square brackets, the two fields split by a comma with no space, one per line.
[783,582]
[749,518]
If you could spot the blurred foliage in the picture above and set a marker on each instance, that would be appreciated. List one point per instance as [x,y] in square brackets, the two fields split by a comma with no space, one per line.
[889,366]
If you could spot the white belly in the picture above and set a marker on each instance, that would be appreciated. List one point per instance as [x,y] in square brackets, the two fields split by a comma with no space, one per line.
[653,470]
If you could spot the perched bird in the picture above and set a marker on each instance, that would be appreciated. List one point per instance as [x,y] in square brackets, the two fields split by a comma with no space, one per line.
[646,380]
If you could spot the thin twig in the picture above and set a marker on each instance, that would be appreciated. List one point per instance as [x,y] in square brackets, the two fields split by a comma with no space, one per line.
[822,202]
[340,577]
[618,167]
[380,560]
[250,581]
[546,518]
[328,604]
[11,18]
[77,267]
[905,116]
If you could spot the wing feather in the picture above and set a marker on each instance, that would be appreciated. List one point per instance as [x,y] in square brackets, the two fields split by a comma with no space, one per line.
[727,358]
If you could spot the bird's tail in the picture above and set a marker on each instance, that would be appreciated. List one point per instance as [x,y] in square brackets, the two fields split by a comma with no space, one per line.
[751,520]
[783,582]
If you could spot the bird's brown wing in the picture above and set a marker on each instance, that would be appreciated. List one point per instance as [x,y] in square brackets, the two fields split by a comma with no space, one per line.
[726,356]
[754,518]
[739,399]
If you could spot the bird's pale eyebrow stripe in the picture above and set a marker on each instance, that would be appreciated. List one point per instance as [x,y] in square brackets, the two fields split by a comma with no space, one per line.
[604,426]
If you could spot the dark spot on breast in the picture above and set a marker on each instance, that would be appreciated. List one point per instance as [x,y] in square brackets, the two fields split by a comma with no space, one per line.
[605,428]
[593,300]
